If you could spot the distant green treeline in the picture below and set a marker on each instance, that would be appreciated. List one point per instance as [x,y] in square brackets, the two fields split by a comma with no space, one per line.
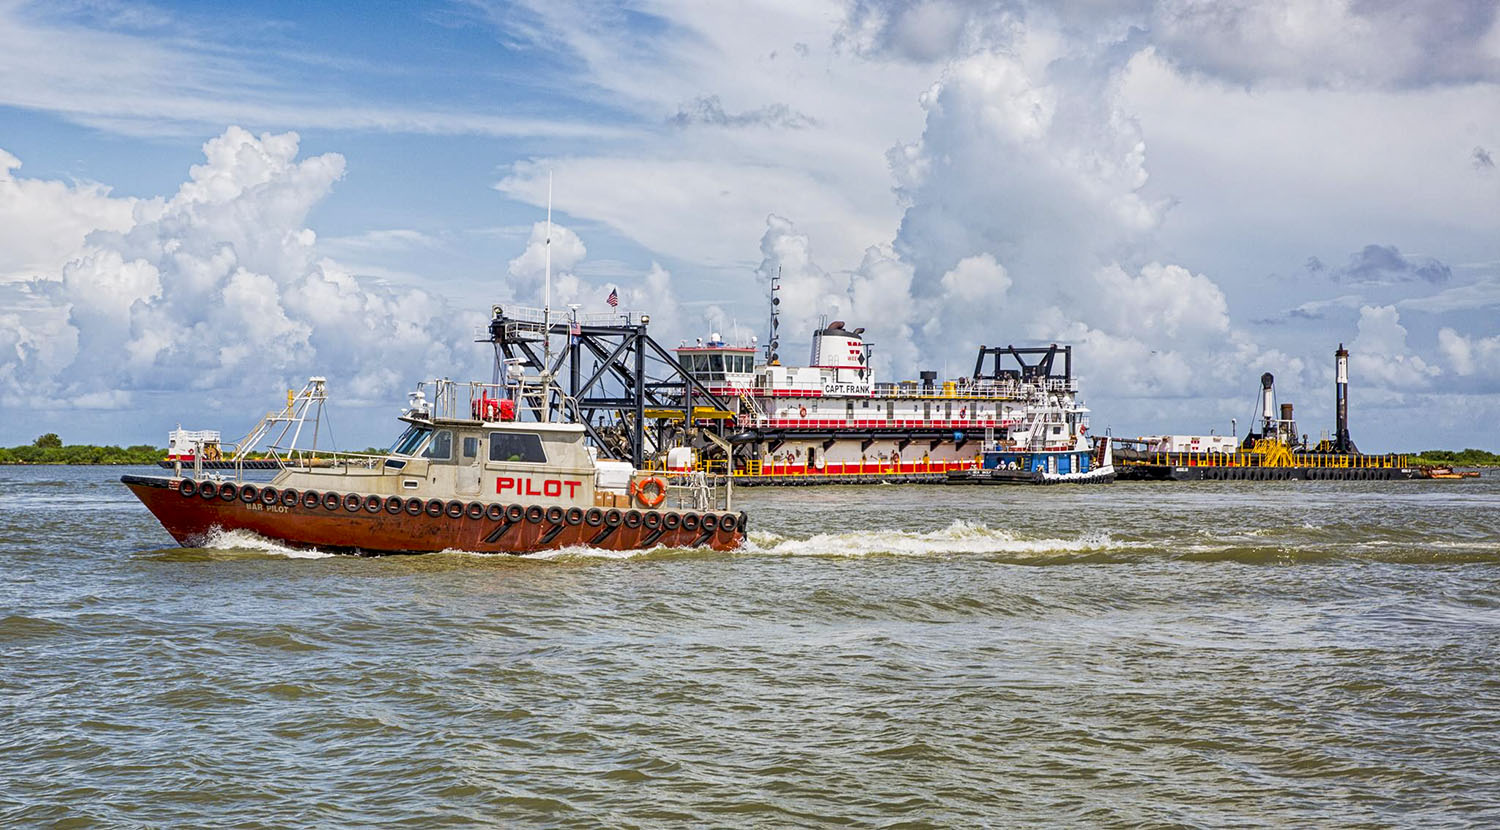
[1460,458]
[48,453]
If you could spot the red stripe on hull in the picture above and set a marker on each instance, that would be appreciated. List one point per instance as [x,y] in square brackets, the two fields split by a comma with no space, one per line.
[192,520]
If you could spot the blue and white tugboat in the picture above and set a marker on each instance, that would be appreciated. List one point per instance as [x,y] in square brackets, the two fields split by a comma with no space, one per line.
[1049,445]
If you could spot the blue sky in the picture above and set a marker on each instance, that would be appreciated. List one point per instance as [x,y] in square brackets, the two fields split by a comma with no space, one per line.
[201,204]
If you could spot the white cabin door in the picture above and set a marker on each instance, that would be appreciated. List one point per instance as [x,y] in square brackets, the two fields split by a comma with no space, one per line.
[466,483]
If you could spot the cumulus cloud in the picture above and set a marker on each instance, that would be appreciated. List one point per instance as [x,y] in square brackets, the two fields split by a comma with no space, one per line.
[653,294]
[43,223]
[1385,265]
[528,272]
[1022,202]
[1472,357]
[1380,353]
[924,31]
[220,289]
[876,295]
[1321,43]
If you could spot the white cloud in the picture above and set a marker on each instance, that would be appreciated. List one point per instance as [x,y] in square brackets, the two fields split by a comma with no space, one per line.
[528,271]
[1472,356]
[43,223]
[1482,293]
[1331,42]
[1380,353]
[141,83]
[220,288]
[661,203]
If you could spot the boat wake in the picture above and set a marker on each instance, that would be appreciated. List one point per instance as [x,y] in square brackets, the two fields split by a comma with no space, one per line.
[244,541]
[960,537]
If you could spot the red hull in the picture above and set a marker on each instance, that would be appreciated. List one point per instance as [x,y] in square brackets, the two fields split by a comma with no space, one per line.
[192,520]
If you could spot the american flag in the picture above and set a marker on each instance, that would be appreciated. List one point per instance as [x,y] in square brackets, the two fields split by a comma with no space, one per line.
[613,299]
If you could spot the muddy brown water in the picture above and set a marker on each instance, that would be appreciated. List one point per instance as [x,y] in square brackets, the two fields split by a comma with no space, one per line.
[1210,654]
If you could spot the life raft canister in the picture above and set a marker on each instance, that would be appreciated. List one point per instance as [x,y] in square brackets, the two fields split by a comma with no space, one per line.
[486,408]
[656,496]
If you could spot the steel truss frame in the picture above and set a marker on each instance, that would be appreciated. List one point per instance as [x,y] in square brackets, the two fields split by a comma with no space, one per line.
[1040,368]
[630,372]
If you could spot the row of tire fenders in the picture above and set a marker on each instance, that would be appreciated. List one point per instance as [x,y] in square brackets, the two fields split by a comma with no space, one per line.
[1286,474]
[455,509]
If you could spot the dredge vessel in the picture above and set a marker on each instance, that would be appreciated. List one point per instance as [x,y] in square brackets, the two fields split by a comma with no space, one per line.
[1274,452]
[1015,419]
[832,422]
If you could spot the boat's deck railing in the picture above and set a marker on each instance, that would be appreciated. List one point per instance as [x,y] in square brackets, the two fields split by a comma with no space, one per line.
[699,490]
[532,399]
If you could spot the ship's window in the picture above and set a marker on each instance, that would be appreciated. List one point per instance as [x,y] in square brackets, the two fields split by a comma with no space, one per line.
[471,446]
[716,363]
[441,446]
[525,447]
[409,440]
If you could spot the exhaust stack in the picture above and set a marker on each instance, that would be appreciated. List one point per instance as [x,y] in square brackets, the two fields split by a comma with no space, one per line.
[1267,405]
[1341,440]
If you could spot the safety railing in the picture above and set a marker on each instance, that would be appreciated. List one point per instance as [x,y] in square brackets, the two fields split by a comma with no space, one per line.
[833,470]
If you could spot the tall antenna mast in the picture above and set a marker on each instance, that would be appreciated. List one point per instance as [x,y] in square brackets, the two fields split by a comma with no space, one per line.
[547,284]
[547,299]
[546,412]
[772,342]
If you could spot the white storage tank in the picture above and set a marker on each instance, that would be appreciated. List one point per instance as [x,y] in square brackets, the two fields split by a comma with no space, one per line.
[680,459]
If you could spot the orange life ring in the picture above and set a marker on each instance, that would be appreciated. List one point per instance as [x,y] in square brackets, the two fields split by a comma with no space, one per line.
[803,412]
[652,499]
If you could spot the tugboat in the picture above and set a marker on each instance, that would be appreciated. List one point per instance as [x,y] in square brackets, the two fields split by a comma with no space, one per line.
[1026,457]
[469,473]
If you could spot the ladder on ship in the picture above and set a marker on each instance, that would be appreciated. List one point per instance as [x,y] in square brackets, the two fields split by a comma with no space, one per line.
[752,407]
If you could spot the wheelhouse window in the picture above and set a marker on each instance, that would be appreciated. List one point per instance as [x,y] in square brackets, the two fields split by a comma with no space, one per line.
[408,441]
[441,446]
[525,447]
[471,446]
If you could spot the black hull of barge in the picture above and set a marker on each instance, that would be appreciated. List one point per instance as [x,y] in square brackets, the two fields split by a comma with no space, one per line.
[1162,472]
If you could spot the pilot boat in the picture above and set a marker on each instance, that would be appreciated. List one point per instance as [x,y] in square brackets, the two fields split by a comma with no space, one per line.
[469,472]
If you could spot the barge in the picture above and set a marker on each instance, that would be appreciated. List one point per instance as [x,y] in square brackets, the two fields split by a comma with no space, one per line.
[1274,452]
